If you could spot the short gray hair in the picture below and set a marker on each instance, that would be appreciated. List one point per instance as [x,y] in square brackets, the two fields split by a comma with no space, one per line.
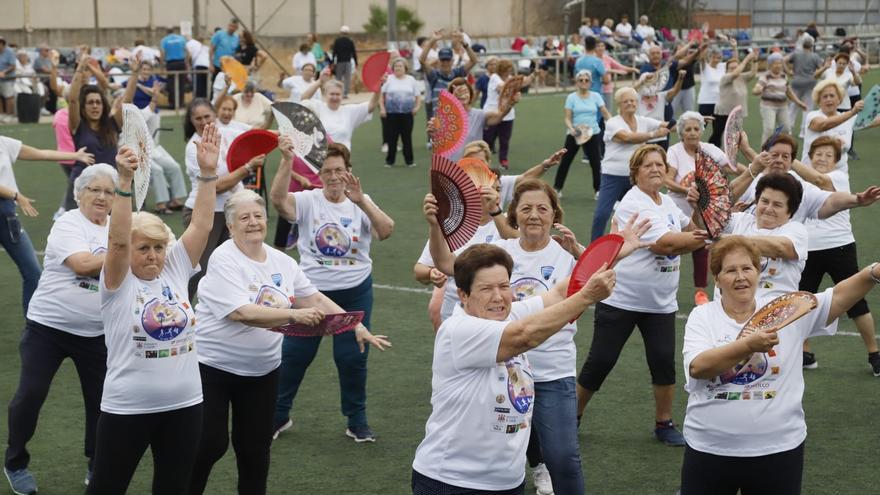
[687,116]
[333,82]
[237,199]
[91,173]
[714,50]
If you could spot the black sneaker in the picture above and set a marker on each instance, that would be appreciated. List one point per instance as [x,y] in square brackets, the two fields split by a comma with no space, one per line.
[361,433]
[669,435]
[280,426]
[810,362]
[874,361]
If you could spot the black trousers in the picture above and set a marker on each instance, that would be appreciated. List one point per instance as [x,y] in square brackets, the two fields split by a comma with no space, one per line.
[42,349]
[839,263]
[200,84]
[253,405]
[175,83]
[593,152]
[773,474]
[399,125]
[173,438]
[718,130]
[51,99]
[502,132]
[219,235]
[423,485]
[612,328]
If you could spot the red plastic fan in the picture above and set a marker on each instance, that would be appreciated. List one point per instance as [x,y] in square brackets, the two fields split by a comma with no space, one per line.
[732,129]
[714,203]
[601,251]
[374,68]
[249,144]
[458,201]
[451,124]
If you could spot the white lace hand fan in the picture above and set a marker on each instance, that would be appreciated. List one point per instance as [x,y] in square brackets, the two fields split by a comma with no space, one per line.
[136,135]
[304,126]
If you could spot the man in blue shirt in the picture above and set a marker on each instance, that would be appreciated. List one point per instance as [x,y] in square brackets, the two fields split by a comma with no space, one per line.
[589,61]
[7,80]
[224,43]
[174,54]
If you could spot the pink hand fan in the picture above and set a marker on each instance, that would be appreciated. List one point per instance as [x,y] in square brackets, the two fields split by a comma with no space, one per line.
[451,125]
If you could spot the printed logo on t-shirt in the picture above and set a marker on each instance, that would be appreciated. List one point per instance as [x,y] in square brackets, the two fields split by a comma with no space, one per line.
[527,287]
[331,240]
[271,297]
[520,388]
[546,271]
[751,379]
[163,320]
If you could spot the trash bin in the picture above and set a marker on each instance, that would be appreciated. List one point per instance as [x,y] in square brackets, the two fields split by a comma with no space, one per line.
[28,108]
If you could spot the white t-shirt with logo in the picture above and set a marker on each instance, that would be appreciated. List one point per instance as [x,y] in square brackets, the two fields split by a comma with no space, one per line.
[152,365]
[334,241]
[534,273]
[843,132]
[478,431]
[485,234]
[9,149]
[508,187]
[754,409]
[340,123]
[64,300]
[778,276]
[493,97]
[648,282]
[617,154]
[234,280]
[811,202]
[834,231]
[227,136]
[684,164]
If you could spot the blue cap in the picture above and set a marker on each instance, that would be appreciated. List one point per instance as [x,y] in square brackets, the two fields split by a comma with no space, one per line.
[445,54]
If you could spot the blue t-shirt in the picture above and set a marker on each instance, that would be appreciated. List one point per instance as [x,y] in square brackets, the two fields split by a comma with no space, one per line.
[585,110]
[174,46]
[224,44]
[7,60]
[596,68]
[482,85]
[142,98]
[439,81]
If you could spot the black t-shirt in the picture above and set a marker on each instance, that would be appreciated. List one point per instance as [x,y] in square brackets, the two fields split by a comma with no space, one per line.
[246,54]
[343,50]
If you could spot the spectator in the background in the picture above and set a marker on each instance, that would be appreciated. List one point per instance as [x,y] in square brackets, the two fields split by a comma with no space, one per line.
[43,67]
[813,30]
[416,54]
[253,108]
[644,29]
[200,60]
[24,67]
[144,53]
[297,84]
[145,80]
[344,54]
[401,97]
[585,30]
[302,57]
[775,93]
[224,44]
[317,50]
[606,34]
[596,26]
[711,72]
[612,66]
[248,54]
[623,33]
[482,84]
[592,63]
[575,49]
[174,53]
[803,67]
[7,81]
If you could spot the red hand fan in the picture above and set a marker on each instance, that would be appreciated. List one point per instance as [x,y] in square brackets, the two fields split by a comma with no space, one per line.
[732,129]
[601,251]
[450,124]
[714,203]
[478,171]
[458,201]
[332,324]
[249,144]
[373,70]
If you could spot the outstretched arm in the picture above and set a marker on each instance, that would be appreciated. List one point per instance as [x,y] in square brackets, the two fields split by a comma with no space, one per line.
[195,237]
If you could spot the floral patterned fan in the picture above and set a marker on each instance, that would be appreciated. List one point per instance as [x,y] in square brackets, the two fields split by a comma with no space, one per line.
[451,125]
[458,201]
[732,130]
[656,83]
[714,203]
[309,137]
[511,87]
[332,324]
[478,171]
[136,135]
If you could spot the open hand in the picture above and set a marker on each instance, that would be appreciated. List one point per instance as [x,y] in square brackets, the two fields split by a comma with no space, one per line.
[365,337]
[84,156]
[208,150]
[568,240]
[24,203]
[632,233]
[353,190]
[869,196]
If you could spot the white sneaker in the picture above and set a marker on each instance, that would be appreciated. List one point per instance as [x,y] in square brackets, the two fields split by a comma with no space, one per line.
[44,112]
[541,478]
[384,147]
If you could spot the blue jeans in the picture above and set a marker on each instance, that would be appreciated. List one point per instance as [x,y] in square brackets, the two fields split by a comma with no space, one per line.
[611,190]
[555,420]
[16,242]
[297,354]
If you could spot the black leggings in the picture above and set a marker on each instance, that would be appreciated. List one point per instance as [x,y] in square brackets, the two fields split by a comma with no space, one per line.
[593,152]
[42,351]
[718,130]
[612,328]
[399,125]
[173,438]
[253,405]
[502,132]
[839,263]
[772,474]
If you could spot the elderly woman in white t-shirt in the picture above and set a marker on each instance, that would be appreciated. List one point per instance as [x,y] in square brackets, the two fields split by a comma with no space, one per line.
[483,388]
[198,115]
[339,120]
[253,109]
[64,320]
[744,423]
[337,225]
[645,295]
[624,133]
[712,69]
[680,175]
[298,83]
[250,287]
[152,395]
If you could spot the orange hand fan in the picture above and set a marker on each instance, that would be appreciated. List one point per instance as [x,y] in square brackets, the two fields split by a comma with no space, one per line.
[458,201]
[451,124]
[478,171]
[235,71]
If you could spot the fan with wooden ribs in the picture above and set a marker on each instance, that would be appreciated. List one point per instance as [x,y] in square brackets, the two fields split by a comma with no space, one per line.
[714,203]
[458,201]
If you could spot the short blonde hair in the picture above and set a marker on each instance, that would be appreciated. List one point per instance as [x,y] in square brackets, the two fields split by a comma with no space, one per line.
[619,94]
[635,161]
[230,206]
[152,227]
[478,146]
[817,91]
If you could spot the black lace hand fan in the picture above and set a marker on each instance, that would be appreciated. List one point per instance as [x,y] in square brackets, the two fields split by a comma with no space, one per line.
[714,203]
[458,201]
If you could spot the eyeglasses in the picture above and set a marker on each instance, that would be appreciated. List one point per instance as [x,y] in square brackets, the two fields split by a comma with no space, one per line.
[331,172]
[584,79]
[98,191]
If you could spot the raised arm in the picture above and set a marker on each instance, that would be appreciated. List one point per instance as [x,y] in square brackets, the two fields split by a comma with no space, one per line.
[76,84]
[676,88]
[195,237]
[118,258]
[841,200]
[821,123]
[33,154]
[427,47]
[444,259]
[813,176]
[851,290]
[284,202]
[316,84]
[473,58]
[382,224]
[538,170]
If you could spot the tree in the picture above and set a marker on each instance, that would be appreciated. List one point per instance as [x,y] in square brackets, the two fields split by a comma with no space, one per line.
[407,21]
